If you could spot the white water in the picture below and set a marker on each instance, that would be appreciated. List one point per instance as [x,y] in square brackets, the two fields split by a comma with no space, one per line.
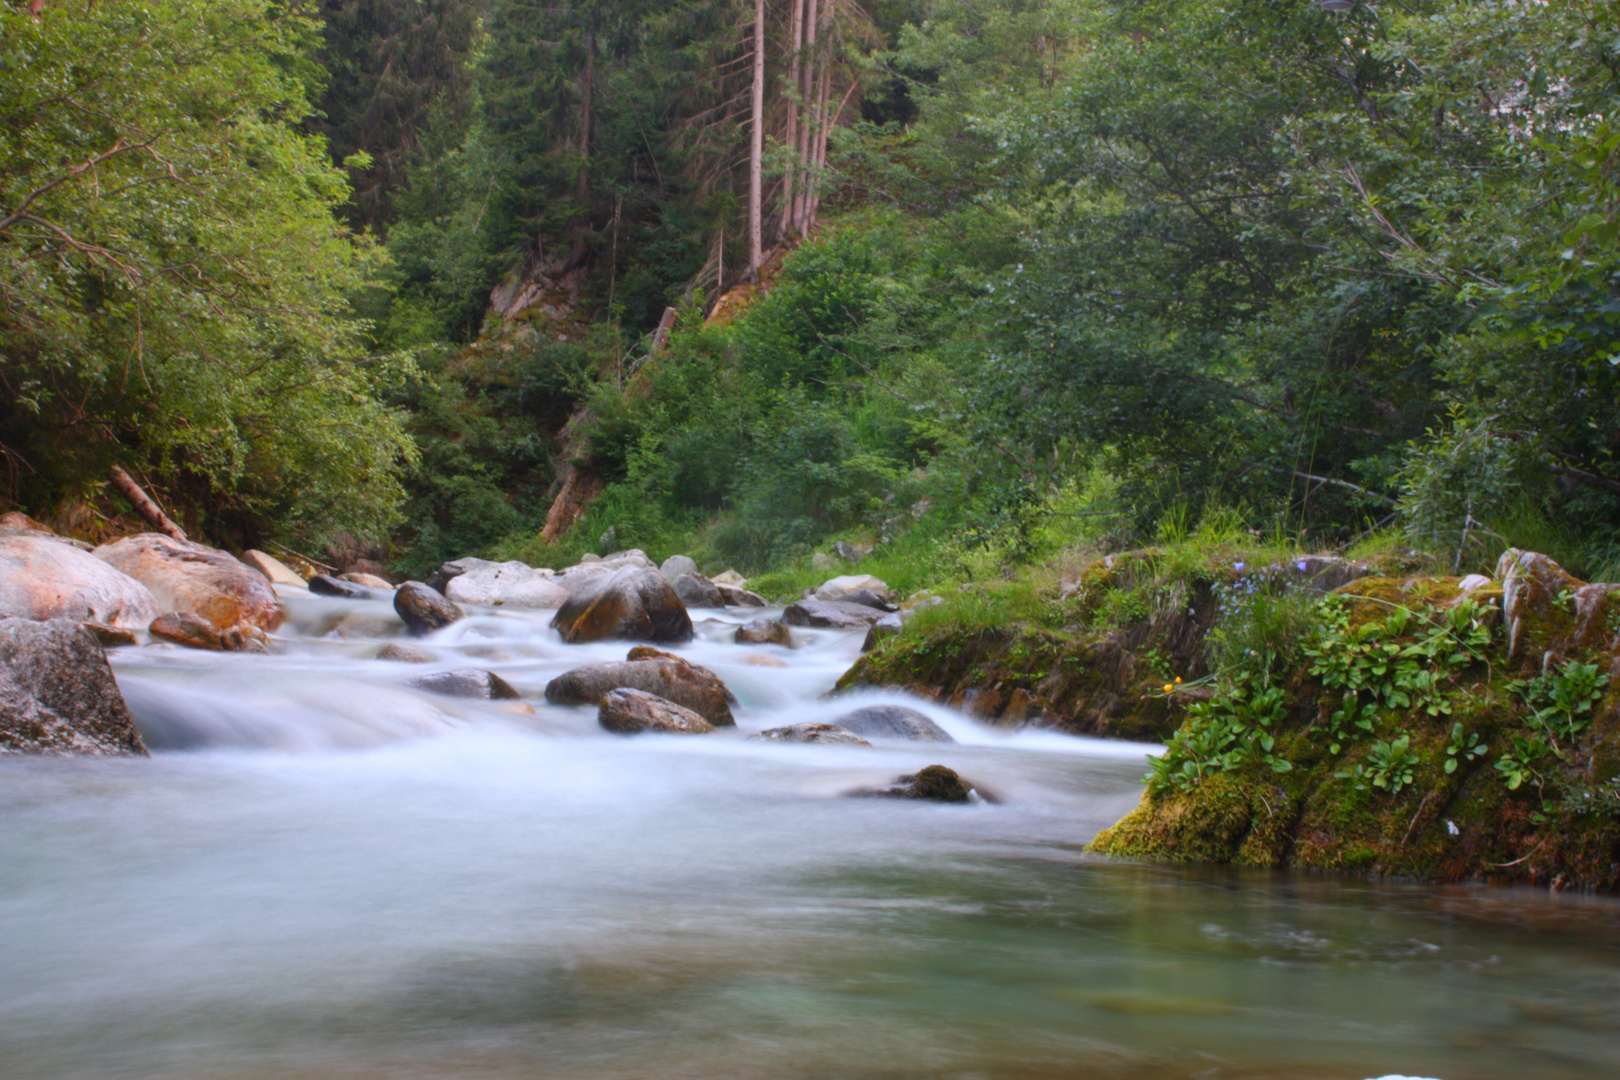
[323,872]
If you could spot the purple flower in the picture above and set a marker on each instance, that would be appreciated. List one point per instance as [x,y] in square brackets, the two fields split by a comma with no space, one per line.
[1303,565]
[1238,567]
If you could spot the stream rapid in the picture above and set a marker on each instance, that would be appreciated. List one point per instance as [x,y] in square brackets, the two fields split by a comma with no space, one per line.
[323,872]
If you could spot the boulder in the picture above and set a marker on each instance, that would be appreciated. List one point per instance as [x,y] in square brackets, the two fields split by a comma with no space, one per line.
[634,557]
[689,685]
[840,587]
[635,603]
[327,585]
[893,722]
[1531,586]
[369,581]
[57,692]
[631,712]
[695,590]
[424,610]
[196,632]
[194,578]
[43,578]
[933,782]
[468,683]
[729,577]
[830,615]
[867,598]
[848,552]
[812,733]
[508,584]
[738,597]
[764,632]
[888,626]
[274,570]
[401,653]
[676,565]
[16,520]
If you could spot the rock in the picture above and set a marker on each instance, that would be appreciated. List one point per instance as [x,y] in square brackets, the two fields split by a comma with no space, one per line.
[111,637]
[467,683]
[634,602]
[1472,582]
[830,615]
[812,733]
[508,584]
[695,590]
[200,580]
[867,598]
[839,588]
[369,568]
[274,570]
[327,585]
[1531,586]
[756,660]
[354,626]
[888,626]
[609,540]
[630,712]
[369,581]
[43,578]
[676,565]
[689,685]
[933,782]
[848,552]
[184,628]
[424,610]
[57,692]
[401,653]
[893,722]
[647,652]
[1320,574]
[729,577]
[589,557]
[634,557]
[736,597]
[822,563]
[21,522]
[764,632]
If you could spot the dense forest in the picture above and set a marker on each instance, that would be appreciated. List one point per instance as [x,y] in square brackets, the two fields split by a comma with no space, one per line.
[442,277]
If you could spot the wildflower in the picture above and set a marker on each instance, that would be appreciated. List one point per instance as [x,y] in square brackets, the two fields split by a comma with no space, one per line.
[1238,567]
[1178,680]
[1302,565]
[1168,688]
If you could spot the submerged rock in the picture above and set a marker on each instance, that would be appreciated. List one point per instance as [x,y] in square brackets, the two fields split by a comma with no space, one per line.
[508,584]
[196,579]
[404,654]
[812,733]
[424,610]
[57,692]
[830,615]
[764,632]
[468,683]
[689,685]
[634,602]
[43,578]
[695,590]
[893,722]
[630,712]
[933,782]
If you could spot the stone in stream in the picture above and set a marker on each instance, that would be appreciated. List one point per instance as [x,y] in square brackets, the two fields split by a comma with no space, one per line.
[57,692]
[839,587]
[729,577]
[695,590]
[764,632]
[468,683]
[676,565]
[111,637]
[196,579]
[830,734]
[507,584]
[830,615]
[327,585]
[196,632]
[370,581]
[688,685]
[933,782]
[888,626]
[867,598]
[424,610]
[734,596]
[274,570]
[402,653]
[634,602]
[42,577]
[631,712]
[893,722]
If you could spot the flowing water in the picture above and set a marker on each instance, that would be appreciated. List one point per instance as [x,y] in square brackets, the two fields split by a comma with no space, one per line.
[323,873]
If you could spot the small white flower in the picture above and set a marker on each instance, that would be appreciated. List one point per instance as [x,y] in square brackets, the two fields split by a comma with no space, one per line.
[1451,827]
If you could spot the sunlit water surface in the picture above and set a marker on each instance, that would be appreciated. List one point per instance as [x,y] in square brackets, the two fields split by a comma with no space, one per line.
[323,873]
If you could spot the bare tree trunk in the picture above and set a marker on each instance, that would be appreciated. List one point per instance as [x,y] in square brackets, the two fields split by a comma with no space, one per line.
[587,87]
[756,148]
[806,91]
[791,135]
[818,154]
[143,504]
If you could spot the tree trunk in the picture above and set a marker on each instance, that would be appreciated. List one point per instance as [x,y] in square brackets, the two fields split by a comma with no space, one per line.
[818,153]
[791,135]
[587,87]
[143,504]
[756,148]
[806,91]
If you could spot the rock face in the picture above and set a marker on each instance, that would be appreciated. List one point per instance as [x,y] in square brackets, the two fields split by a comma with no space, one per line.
[695,590]
[468,683]
[696,688]
[830,615]
[634,603]
[187,577]
[274,570]
[327,585]
[423,609]
[676,565]
[43,578]
[933,782]
[893,722]
[508,584]
[734,596]
[840,587]
[631,712]
[764,632]
[830,734]
[57,693]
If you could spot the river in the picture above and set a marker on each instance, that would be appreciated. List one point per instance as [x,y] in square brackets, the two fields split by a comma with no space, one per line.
[324,873]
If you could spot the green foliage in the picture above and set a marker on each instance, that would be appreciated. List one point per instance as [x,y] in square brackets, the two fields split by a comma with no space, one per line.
[1406,661]
[1390,766]
[1237,728]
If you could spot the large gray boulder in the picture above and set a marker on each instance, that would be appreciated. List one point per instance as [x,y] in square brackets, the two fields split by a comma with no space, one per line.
[634,603]
[695,590]
[676,565]
[631,712]
[831,615]
[694,687]
[42,577]
[508,584]
[424,610]
[57,692]
[893,722]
